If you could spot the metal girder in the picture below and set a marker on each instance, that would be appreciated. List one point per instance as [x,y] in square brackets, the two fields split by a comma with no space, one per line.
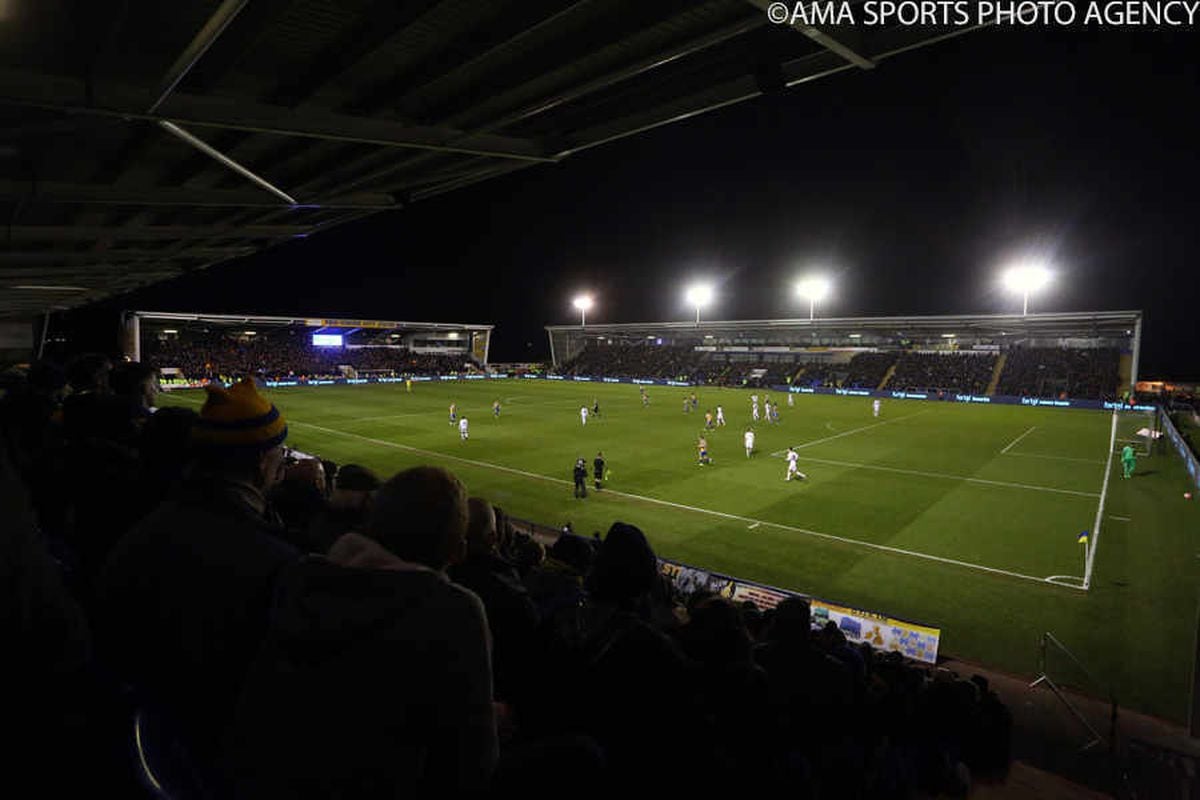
[888,43]
[225,161]
[831,39]
[71,95]
[545,104]
[204,39]
[150,233]
[93,194]
[123,256]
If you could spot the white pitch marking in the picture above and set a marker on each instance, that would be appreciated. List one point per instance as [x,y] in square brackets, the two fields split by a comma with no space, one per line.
[396,416]
[857,430]
[1019,438]
[948,476]
[1094,542]
[753,526]
[1056,458]
[1119,519]
[656,501]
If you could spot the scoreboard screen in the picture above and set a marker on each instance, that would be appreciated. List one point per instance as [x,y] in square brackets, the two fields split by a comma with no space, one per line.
[327,340]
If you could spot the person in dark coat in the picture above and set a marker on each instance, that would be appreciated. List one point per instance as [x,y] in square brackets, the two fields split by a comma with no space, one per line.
[580,475]
[184,597]
[598,469]
[512,617]
[375,679]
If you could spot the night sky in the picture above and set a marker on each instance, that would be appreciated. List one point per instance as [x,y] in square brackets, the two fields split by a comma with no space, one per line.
[912,185]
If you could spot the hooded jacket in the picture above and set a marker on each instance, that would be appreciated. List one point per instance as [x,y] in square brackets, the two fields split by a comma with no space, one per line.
[375,680]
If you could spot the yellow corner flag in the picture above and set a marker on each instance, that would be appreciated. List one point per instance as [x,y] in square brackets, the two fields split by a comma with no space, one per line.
[1083,538]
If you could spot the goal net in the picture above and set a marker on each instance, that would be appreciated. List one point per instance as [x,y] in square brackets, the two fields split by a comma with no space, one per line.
[1140,429]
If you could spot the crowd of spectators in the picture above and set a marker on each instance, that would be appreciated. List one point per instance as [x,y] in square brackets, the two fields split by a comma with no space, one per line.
[281,627]
[285,354]
[867,369]
[621,360]
[1091,374]
[943,372]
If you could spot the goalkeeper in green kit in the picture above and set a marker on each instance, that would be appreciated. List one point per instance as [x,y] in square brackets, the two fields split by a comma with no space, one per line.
[1128,461]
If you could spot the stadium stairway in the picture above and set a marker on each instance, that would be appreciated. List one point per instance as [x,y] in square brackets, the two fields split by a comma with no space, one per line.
[1124,371]
[1152,758]
[887,376]
[996,371]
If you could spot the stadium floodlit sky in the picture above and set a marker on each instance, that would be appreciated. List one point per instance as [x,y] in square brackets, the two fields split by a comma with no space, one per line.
[911,185]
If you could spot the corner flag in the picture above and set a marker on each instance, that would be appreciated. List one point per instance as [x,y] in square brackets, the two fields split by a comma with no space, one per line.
[1083,538]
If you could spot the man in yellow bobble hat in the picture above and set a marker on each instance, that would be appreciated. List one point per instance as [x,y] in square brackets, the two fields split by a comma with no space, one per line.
[184,597]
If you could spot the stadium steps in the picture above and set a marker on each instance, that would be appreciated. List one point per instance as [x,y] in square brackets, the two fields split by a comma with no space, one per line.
[999,368]
[887,376]
[1124,370]
[1028,782]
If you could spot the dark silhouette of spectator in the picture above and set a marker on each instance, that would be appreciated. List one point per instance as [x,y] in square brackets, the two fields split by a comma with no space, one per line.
[299,500]
[640,702]
[733,688]
[375,679]
[185,595]
[512,617]
[811,694]
[348,507]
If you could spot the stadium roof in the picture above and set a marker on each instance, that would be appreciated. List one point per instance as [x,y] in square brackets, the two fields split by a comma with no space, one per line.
[312,322]
[145,139]
[1095,323]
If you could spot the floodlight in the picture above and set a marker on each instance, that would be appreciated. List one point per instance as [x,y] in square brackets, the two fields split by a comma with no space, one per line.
[699,295]
[814,288]
[583,302]
[1024,279]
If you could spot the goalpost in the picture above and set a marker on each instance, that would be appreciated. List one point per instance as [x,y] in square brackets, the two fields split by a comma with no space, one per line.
[1139,428]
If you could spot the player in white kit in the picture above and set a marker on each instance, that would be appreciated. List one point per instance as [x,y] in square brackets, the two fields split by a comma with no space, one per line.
[875,406]
[462,429]
[748,440]
[720,417]
[792,469]
[791,399]
[583,414]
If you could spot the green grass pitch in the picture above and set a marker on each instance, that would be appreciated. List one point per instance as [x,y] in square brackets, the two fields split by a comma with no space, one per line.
[947,514]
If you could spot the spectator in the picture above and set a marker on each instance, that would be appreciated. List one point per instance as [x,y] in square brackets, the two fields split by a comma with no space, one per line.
[348,508]
[512,617]
[184,596]
[299,499]
[375,679]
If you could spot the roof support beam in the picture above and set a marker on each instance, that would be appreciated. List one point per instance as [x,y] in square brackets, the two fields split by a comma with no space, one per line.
[124,255]
[204,39]
[150,233]
[543,104]
[829,42]
[70,95]
[95,194]
[224,160]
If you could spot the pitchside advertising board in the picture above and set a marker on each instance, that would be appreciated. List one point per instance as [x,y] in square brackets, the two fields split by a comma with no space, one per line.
[949,397]
[918,642]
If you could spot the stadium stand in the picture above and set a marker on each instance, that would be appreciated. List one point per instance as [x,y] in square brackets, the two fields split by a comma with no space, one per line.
[638,360]
[945,372]
[285,354]
[576,663]
[1061,372]
[868,369]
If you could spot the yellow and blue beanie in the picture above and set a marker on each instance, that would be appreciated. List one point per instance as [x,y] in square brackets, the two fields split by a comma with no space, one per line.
[238,418]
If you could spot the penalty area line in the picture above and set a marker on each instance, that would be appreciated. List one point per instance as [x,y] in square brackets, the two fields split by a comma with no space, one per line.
[829,537]
[1009,446]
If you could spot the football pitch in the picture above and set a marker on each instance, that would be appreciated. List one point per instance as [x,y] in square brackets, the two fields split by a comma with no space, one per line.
[963,517]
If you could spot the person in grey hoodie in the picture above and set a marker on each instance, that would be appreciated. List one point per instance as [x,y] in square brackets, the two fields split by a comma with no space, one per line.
[375,679]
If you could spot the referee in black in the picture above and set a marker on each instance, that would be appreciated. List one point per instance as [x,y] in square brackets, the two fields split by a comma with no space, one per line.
[580,478]
[598,469]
